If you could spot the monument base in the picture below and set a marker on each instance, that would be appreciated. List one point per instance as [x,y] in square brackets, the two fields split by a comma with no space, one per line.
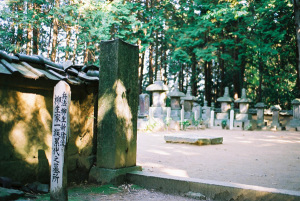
[114,176]
[243,117]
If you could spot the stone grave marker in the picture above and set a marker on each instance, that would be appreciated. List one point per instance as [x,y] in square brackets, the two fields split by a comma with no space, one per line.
[144,103]
[60,135]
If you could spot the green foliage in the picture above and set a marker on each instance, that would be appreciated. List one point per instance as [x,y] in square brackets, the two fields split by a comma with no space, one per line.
[185,124]
[244,44]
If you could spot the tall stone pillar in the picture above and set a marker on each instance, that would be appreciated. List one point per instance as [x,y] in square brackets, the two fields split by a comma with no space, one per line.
[118,100]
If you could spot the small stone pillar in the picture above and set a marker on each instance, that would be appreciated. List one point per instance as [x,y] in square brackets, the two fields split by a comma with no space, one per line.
[144,103]
[225,107]
[118,100]
[231,116]
[295,122]
[260,114]
[188,103]
[275,125]
[158,90]
[175,96]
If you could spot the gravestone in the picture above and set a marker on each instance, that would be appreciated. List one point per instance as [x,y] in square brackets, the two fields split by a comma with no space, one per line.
[188,103]
[260,114]
[206,114]
[175,95]
[158,90]
[60,135]
[144,103]
[225,101]
[118,101]
[243,119]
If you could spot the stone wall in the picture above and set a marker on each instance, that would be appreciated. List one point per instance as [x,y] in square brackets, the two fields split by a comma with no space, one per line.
[25,134]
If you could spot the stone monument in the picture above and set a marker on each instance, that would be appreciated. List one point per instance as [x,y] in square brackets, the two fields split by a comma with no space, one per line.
[144,104]
[175,95]
[118,101]
[295,122]
[275,125]
[225,107]
[188,103]
[243,119]
[60,136]
[158,89]
[206,114]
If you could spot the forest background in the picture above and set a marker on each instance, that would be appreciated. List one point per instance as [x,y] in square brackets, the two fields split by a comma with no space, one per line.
[207,44]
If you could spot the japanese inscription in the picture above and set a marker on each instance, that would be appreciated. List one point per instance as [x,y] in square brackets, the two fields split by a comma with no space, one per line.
[60,130]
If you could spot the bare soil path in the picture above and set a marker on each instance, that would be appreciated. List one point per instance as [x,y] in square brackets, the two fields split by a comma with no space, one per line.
[261,158]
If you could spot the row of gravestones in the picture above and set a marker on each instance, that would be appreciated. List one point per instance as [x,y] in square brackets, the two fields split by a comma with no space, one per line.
[183,107]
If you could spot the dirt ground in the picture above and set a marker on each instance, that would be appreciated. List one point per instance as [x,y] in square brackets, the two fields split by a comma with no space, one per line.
[261,158]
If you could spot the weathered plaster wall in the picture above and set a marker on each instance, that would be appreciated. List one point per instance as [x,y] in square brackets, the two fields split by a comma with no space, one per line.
[25,134]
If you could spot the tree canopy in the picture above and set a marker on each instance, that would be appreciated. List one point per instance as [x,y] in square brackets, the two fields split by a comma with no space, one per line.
[206,44]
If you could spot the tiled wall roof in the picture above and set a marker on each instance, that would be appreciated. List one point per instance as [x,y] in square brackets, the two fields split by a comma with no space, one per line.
[36,67]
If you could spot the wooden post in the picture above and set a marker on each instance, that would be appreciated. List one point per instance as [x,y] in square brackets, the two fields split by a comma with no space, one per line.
[60,135]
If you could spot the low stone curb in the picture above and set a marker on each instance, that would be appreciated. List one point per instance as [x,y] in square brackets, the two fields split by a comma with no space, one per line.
[210,189]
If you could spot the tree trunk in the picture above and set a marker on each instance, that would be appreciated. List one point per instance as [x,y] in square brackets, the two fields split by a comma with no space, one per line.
[297,23]
[208,82]
[141,70]
[181,77]
[194,77]
[29,32]
[156,53]
[67,55]
[55,34]
[19,31]
[36,31]
[151,70]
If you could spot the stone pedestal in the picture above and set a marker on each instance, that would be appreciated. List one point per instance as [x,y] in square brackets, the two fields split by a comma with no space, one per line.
[117,111]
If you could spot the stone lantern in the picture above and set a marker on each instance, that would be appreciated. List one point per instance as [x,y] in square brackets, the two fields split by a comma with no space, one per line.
[188,101]
[175,96]
[260,114]
[295,122]
[225,107]
[158,89]
[244,107]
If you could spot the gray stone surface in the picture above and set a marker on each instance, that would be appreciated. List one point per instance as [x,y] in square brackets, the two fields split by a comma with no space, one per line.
[117,105]
[222,116]
[10,194]
[193,139]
